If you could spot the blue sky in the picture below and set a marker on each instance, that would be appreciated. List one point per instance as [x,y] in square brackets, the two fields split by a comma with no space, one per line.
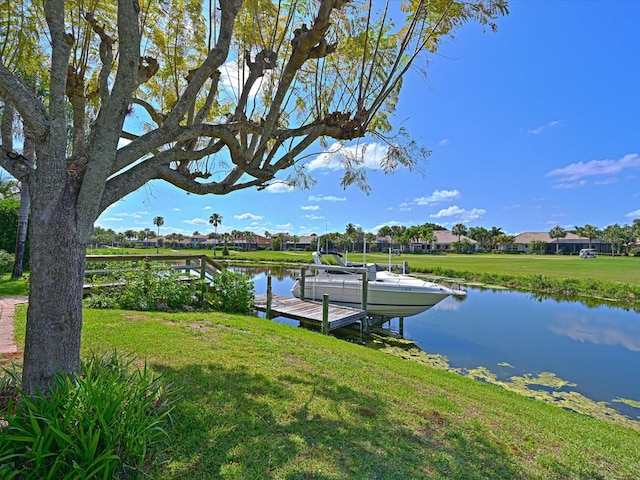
[535,126]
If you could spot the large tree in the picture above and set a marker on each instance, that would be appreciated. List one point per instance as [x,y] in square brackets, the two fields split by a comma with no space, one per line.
[228,96]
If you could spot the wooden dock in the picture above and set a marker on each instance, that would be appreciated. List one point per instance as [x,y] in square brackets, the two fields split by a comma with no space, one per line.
[329,316]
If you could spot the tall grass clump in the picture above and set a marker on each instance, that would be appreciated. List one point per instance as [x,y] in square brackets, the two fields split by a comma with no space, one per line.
[106,422]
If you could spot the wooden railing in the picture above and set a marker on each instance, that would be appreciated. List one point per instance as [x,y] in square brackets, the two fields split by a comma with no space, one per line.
[206,266]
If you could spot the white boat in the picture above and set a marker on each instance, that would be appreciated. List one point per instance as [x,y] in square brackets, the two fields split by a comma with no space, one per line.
[388,294]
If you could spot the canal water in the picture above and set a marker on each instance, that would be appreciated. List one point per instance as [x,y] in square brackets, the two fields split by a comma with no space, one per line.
[516,337]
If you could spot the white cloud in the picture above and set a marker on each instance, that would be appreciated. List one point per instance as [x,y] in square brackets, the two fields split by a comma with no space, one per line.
[569,185]
[580,170]
[314,217]
[538,130]
[111,219]
[310,207]
[208,207]
[438,196]
[177,209]
[232,79]
[634,214]
[247,216]
[279,187]
[326,198]
[196,221]
[460,213]
[285,227]
[443,142]
[365,155]
[131,214]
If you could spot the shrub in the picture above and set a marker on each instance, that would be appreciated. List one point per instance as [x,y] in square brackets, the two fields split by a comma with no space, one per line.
[231,292]
[104,423]
[6,261]
[150,286]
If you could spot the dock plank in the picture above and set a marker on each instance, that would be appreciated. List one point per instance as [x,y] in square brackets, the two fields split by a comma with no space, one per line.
[309,310]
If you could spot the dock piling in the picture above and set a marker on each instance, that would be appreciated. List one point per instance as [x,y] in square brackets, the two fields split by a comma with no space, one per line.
[325,314]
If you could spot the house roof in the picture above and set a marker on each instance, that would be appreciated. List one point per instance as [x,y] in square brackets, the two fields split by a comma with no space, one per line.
[445,236]
[528,237]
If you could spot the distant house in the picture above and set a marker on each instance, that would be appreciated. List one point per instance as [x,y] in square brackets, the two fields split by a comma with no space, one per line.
[445,241]
[304,242]
[571,244]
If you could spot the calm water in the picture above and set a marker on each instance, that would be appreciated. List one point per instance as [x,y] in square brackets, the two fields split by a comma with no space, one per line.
[512,333]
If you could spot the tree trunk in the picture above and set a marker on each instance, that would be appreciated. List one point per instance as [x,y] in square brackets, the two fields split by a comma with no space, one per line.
[54,317]
[21,237]
[29,153]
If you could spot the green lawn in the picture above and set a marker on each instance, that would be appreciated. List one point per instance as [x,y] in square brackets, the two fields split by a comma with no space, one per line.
[262,400]
[614,269]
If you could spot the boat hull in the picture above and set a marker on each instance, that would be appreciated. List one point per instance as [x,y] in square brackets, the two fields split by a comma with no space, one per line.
[390,295]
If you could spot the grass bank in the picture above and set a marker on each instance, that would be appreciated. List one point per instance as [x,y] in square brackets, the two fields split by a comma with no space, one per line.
[264,400]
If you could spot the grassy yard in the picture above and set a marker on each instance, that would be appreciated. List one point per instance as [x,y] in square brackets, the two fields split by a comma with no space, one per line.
[607,268]
[262,400]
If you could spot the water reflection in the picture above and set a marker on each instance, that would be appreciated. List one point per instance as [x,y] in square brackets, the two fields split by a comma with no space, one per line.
[521,342]
[599,331]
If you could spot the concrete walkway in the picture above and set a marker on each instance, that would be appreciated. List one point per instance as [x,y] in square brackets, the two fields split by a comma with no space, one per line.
[7,315]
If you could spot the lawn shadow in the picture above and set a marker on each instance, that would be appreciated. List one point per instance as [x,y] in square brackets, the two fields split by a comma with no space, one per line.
[232,423]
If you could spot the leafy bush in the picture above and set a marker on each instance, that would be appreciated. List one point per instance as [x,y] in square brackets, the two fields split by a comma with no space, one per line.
[231,292]
[105,423]
[6,261]
[150,286]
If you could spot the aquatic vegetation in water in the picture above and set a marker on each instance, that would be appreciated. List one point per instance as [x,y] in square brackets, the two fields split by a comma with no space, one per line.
[545,386]
[631,403]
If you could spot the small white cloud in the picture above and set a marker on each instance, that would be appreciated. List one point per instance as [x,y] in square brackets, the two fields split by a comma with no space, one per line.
[131,214]
[111,219]
[579,170]
[207,207]
[634,214]
[177,209]
[570,185]
[196,221]
[460,213]
[279,187]
[314,217]
[542,128]
[326,198]
[247,216]
[310,207]
[438,196]
[366,155]
[443,142]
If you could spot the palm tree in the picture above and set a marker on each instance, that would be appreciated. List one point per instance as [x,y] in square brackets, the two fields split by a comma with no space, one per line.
[428,236]
[215,219]
[588,231]
[459,229]
[557,232]
[158,221]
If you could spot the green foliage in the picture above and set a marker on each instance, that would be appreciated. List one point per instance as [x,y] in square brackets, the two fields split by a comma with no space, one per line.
[231,292]
[150,286]
[8,224]
[6,261]
[104,423]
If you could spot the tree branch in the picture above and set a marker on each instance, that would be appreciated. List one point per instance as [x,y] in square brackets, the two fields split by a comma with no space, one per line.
[31,109]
